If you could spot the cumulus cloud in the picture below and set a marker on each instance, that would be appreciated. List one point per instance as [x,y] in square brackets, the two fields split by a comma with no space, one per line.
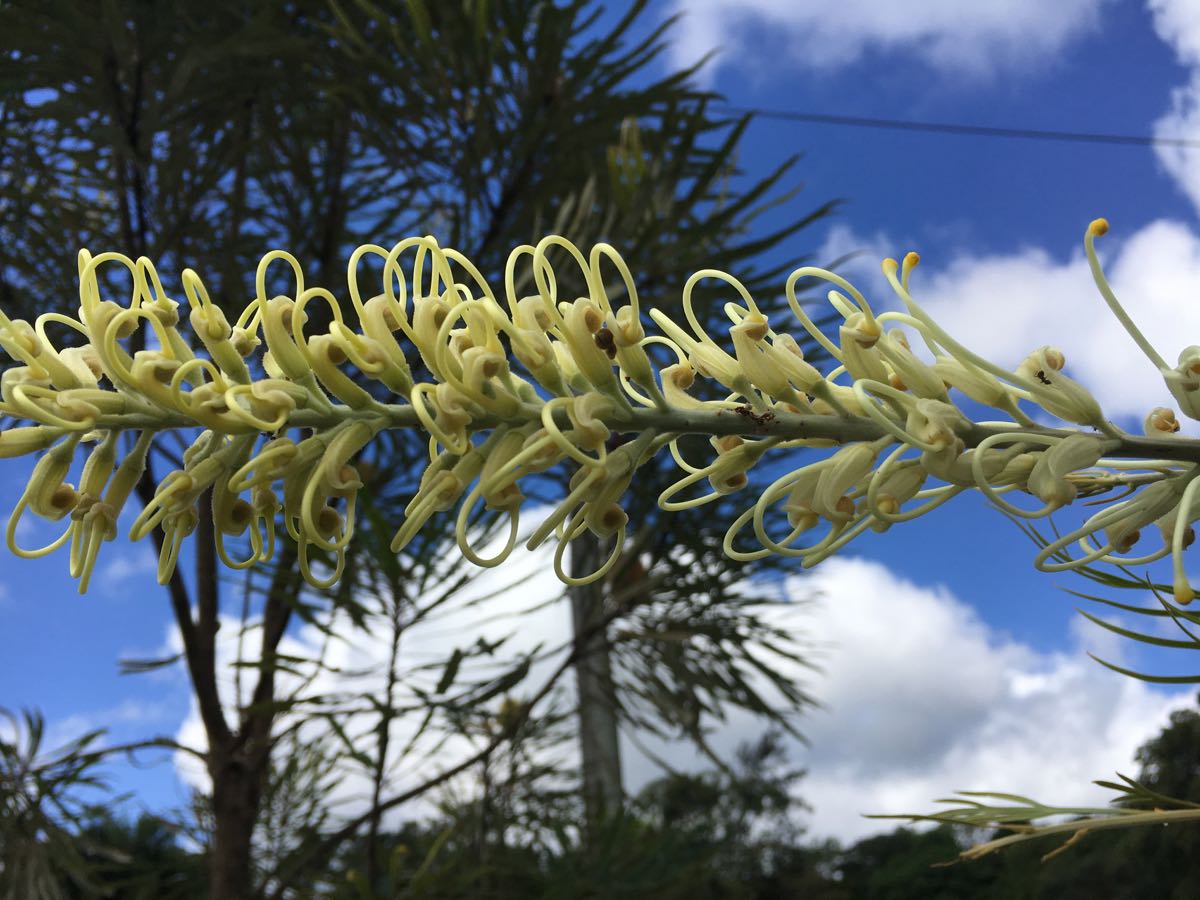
[923,698]
[857,257]
[131,561]
[1005,305]
[976,39]
[116,718]
[1177,22]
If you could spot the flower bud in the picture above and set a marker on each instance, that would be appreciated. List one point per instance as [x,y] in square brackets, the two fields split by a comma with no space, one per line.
[1159,422]
[453,414]
[800,498]
[858,338]
[47,493]
[327,355]
[481,370]
[845,469]
[1166,526]
[231,514]
[728,472]
[606,520]
[379,321]
[275,396]
[934,422]
[98,467]
[1016,469]
[207,405]
[1149,505]
[328,522]
[587,413]
[583,319]
[61,501]
[859,328]
[627,328]
[286,357]
[84,363]
[152,372]
[949,464]
[676,380]
[977,384]
[900,483]
[1048,479]
[210,324]
[20,341]
[568,367]
[1184,382]
[532,315]
[726,443]
[1055,392]
[16,442]
[761,369]
[706,357]
[914,374]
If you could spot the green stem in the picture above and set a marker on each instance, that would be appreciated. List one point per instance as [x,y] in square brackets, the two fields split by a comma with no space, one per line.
[742,421]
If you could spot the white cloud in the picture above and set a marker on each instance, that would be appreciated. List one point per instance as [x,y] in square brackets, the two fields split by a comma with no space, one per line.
[1182,120]
[977,39]
[118,718]
[1007,305]
[1177,22]
[923,699]
[862,255]
[127,561]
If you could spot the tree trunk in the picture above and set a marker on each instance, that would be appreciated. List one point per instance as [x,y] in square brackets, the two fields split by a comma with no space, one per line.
[600,753]
[236,795]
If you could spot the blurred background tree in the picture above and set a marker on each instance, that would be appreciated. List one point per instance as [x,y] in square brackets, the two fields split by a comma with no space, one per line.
[203,134]
[721,833]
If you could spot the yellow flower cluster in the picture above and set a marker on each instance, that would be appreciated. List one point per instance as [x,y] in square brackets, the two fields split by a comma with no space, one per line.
[510,388]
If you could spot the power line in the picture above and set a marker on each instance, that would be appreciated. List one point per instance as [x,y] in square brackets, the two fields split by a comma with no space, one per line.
[1036,134]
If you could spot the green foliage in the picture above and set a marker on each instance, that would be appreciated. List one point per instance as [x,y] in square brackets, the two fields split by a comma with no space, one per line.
[138,859]
[910,864]
[43,796]
[718,834]
[1171,761]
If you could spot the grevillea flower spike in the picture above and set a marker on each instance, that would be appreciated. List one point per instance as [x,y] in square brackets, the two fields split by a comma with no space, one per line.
[509,386]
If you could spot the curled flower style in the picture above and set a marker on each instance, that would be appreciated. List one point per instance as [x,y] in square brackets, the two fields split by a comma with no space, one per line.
[508,386]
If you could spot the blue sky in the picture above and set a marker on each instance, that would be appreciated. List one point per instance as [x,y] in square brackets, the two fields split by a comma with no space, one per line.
[949,662]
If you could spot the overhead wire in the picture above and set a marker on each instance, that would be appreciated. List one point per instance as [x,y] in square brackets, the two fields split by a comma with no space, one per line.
[957,128]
